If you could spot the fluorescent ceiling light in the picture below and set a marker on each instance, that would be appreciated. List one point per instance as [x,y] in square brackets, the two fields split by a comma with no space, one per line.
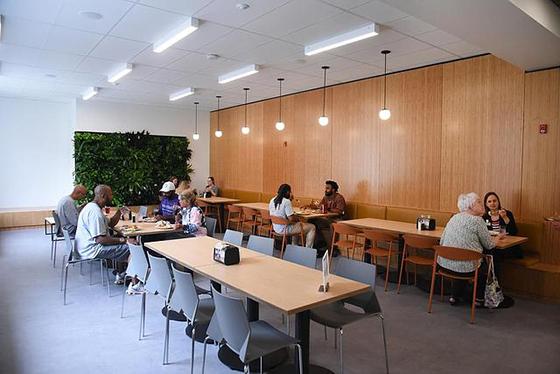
[237,74]
[91,92]
[180,94]
[122,70]
[362,33]
[177,34]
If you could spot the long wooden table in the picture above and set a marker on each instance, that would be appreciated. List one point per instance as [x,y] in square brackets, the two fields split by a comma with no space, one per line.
[409,228]
[288,287]
[144,228]
[302,213]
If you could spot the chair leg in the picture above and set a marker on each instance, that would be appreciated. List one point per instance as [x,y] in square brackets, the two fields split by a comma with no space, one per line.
[192,347]
[282,247]
[260,365]
[122,301]
[204,354]
[142,312]
[441,288]
[340,353]
[288,325]
[62,271]
[325,330]
[387,271]
[474,295]
[335,338]
[54,255]
[401,271]
[81,267]
[300,361]
[432,289]
[246,369]
[90,272]
[65,281]
[166,339]
[384,343]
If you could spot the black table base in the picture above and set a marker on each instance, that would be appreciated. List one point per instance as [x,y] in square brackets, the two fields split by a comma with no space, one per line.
[292,368]
[231,360]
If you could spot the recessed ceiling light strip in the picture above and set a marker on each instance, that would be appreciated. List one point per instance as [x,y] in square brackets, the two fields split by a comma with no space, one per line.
[184,30]
[353,36]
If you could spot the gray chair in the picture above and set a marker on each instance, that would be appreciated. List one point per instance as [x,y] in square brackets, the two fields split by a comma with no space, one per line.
[185,300]
[233,237]
[336,315]
[301,255]
[71,258]
[56,236]
[160,283]
[137,267]
[261,244]
[249,340]
[210,226]
[143,211]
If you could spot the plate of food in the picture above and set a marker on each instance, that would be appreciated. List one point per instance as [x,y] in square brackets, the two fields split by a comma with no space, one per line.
[164,225]
[129,229]
[150,219]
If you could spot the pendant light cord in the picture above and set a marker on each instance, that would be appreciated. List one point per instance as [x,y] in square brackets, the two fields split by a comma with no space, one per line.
[385,85]
[246,92]
[218,97]
[324,87]
[196,118]
[280,108]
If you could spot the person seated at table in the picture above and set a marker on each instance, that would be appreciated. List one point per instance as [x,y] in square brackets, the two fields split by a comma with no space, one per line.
[467,229]
[281,206]
[190,217]
[497,217]
[333,202]
[93,239]
[169,204]
[175,180]
[67,210]
[211,189]
[183,186]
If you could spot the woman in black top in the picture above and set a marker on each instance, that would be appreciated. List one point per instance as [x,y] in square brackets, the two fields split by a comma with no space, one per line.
[496,217]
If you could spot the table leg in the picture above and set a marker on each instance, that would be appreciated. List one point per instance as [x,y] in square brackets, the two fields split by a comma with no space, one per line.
[252,310]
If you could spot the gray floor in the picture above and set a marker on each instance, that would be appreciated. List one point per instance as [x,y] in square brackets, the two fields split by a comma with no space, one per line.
[40,335]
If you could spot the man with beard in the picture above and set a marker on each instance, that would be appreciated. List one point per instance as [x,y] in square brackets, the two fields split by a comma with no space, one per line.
[93,240]
[333,202]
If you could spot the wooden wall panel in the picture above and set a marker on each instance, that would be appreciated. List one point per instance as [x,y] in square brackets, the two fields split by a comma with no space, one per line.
[410,146]
[355,144]
[482,115]
[541,153]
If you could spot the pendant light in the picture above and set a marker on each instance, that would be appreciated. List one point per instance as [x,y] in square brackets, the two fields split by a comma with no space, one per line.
[245,130]
[324,120]
[218,132]
[385,114]
[280,125]
[196,135]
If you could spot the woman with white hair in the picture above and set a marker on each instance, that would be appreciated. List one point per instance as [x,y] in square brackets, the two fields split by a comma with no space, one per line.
[467,229]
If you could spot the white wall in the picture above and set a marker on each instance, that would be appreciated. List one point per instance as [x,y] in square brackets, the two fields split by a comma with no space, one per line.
[36,149]
[101,116]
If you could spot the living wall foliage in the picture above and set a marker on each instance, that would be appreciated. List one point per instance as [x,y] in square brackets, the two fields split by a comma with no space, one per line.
[134,164]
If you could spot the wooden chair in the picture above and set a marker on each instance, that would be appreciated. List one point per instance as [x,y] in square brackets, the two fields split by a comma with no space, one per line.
[284,235]
[249,218]
[412,244]
[390,248]
[234,216]
[349,243]
[211,210]
[454,254]
[265,222]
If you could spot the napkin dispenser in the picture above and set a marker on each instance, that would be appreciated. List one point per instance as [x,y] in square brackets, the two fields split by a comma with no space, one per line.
[226,254]
[425,223]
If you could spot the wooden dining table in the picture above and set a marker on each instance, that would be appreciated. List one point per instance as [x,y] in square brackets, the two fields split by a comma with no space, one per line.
[285,286]
[409,228]
[303,213]
[124,228]
[219,202]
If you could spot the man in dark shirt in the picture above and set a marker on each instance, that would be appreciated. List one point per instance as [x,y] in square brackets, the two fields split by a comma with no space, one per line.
[333,202]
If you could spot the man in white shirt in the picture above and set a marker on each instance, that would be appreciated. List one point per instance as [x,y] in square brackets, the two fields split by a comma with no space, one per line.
[67,210]
[281,206]
[92,235]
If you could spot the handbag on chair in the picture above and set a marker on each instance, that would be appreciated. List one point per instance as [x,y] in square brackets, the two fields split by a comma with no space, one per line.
[493,294]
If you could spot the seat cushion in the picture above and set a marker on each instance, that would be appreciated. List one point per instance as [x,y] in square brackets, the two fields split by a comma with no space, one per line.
[265,339]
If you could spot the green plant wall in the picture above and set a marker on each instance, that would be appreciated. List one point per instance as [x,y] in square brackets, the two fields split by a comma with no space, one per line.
[134,164]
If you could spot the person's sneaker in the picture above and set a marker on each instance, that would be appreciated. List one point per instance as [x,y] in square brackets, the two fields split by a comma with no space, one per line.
[119,278]
[135,289]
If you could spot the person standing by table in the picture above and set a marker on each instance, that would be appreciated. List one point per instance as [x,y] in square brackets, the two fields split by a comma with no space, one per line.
[190,217]
[332,202]
[68,211]
[169,203]
[281,206]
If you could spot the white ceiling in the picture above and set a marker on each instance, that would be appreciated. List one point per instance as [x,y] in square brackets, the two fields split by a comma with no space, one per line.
[49,50]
